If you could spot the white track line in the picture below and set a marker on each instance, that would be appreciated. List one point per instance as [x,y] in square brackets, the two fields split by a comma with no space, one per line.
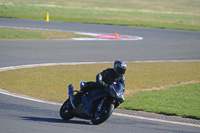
[78,63]
[26,97]
[46,64]
[53,103]
[134,38]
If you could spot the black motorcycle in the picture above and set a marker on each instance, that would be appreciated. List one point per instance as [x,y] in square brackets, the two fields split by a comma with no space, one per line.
[96,105]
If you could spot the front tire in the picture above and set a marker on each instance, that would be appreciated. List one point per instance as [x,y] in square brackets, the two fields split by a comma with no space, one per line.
[66,111]
[106,114]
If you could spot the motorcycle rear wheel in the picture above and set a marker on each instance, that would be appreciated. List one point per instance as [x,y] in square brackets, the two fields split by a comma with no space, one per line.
[104,116]
[66,111]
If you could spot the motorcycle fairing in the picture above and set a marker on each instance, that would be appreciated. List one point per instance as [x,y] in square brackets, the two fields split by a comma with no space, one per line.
[84,110]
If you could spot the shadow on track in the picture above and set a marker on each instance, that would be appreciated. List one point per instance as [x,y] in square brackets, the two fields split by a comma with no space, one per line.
[55,120]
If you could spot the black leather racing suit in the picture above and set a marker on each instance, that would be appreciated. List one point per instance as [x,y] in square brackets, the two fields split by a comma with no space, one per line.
[107,77]
[103,80]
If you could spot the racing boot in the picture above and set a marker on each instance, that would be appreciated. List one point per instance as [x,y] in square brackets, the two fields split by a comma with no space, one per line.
[71,95]
[74,98]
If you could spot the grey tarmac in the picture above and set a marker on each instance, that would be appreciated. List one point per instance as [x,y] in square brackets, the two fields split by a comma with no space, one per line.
[19,115]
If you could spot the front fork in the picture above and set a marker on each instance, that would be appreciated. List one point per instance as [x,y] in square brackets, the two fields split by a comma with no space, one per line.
[100,105]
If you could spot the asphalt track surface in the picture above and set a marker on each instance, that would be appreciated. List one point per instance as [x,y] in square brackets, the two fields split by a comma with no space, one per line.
[20,115]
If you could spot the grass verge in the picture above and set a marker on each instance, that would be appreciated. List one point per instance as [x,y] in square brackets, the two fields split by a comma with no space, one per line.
[181,101]
[6,33]
[174,14]
[50,83]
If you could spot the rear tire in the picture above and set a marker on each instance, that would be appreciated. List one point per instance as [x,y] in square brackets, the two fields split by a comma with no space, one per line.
[104,116]
[66,111]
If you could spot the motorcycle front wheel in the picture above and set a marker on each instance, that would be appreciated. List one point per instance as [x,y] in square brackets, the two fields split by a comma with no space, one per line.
[104,115]
[66,111]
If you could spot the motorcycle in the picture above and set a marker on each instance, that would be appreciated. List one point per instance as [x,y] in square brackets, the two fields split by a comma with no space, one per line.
[95,105]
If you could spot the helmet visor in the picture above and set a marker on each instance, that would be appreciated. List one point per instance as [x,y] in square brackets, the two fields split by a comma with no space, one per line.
[121,71]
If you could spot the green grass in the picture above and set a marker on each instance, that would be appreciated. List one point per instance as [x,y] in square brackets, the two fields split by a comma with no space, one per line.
[175,14]
[50,83]
[6,33]
[181,101]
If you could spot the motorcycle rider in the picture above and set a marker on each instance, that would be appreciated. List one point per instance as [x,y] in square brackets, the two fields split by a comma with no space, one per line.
[103,80]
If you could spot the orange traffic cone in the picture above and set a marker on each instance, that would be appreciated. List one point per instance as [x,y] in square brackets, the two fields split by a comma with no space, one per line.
[47,17]
[116,35]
